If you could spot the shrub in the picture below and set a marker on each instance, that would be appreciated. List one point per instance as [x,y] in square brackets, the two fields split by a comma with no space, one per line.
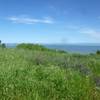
[61,51]
[2,45]
[98,52]
[31,46]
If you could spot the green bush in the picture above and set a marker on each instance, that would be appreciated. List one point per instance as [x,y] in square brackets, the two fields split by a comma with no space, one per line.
[2,45]
[98,52]
[31,46]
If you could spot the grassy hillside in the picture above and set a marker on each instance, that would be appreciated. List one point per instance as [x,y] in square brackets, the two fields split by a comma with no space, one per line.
[31,74]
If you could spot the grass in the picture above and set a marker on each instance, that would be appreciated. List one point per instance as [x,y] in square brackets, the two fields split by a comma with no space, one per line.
[48,75]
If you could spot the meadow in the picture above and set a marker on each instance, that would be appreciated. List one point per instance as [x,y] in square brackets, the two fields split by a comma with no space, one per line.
[30,72]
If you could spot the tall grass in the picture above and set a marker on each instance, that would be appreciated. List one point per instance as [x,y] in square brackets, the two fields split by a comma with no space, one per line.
[47,75]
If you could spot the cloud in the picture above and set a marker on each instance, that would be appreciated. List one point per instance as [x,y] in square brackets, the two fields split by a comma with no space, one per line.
[27,20]
[91,32]
[94,33]
[73,27]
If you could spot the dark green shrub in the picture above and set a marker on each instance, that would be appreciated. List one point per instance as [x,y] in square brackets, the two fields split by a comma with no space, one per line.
[98,52]
[61,51]
[3,45]
[0,41]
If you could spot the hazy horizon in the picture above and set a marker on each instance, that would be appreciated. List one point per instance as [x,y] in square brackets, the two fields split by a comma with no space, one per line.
[83,43]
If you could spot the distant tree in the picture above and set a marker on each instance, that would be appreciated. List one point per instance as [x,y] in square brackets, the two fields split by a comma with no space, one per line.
[0,41]
[3,45]
[98,52]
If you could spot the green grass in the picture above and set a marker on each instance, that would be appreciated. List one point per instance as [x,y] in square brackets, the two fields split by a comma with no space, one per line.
[48,75]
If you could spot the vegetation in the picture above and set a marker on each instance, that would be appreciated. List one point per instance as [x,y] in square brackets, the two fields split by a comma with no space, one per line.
[98,52]
[2,45]
[30,72]
[30,46]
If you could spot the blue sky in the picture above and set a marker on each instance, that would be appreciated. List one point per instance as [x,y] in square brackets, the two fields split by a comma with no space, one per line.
[50,21]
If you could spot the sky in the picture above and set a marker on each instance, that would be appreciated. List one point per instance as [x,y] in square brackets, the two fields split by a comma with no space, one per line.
[50,21]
